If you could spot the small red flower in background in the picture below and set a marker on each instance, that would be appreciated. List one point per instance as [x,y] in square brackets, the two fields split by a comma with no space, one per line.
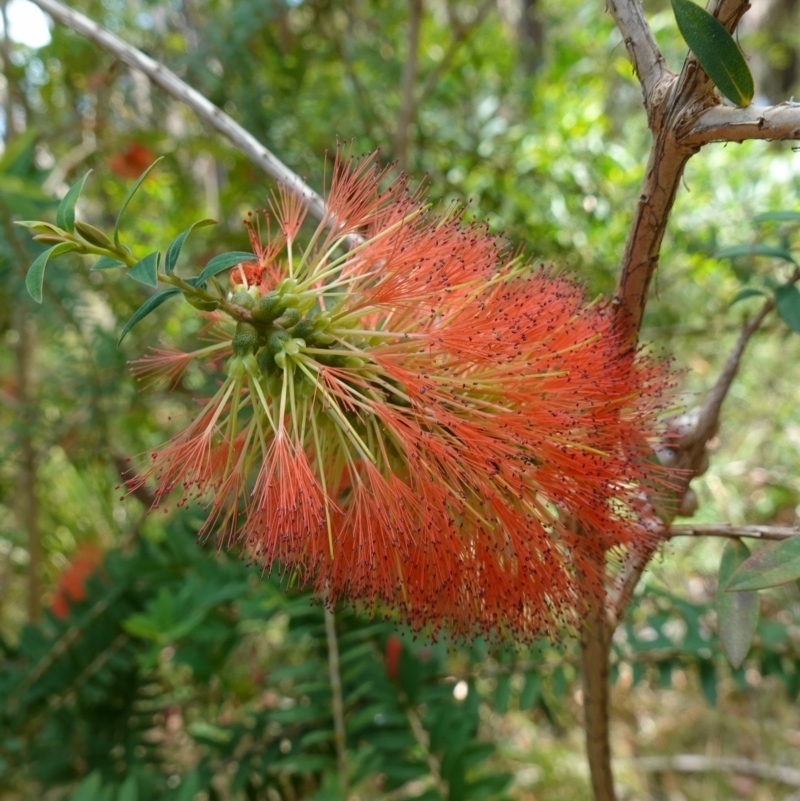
[132,161]
[394,647]
[71,582]
[421,421]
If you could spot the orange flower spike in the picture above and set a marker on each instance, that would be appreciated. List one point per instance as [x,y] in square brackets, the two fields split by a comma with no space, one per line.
[414,414]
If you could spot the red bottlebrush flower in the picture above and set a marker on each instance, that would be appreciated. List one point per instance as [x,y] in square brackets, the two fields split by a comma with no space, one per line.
[70,585]
[421,421]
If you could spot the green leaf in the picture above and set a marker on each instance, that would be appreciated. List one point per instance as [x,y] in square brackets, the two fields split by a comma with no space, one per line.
[716,50]
[129,197]
[151,303]
[146,270]
[65,214]
[88,789]
[755,249]
[174,250]
[222,262]
[34,280]
[190,787]
[208,732]
[747,292]
[774,564]
[531,691]
[41,226]
[787,299]
[777,216]
[107,263]
[502,694]
[737,612]
[129,791]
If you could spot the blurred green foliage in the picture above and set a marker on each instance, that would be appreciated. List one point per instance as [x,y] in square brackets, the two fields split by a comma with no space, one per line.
[181,672]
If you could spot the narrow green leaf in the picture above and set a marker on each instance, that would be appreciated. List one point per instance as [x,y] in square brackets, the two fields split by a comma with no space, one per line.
[716,50]
[34,280]
[129,791]
[107,263]
[737,612]
[129,197]
[747,292]
[89,789]
[65,214]
[502,694]
[146,270]
[151,303]
[787,299]
[755,249]
[776,563]
[174,250]
[222,262]
[777,216]
[41,226]
[531,691]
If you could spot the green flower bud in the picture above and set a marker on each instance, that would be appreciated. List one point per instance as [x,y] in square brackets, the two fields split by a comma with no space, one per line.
[266,362]
[276,340]
[243,299]
[304,330]
[245,340]
[289,318]
[268,307]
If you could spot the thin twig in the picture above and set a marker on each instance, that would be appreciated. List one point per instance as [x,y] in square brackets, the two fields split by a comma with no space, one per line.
[731,530]
[649,63]
[243,141]
[339,734]
[423,740]
[690,454]
[699,763]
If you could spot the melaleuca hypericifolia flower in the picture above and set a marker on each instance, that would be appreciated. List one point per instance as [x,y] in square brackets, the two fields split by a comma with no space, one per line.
[414,418]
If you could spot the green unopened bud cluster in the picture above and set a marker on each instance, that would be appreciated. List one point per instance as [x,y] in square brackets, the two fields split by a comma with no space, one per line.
[284,321]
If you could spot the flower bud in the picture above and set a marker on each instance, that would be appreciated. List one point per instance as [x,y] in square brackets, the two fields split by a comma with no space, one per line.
[243,299]
[245,340]
[268,307]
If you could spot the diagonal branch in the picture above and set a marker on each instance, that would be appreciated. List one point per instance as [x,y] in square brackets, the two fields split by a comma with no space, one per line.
[175,87]
[641,45]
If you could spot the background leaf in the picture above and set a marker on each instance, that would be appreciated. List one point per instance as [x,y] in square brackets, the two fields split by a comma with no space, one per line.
[737,612]
[776,563]
[787,299]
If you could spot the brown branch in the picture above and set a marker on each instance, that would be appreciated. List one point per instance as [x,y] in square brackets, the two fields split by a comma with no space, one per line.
[241,139]
[337,702]
[730,124]
[690,455]
[731,530]
[673,104]
[595,650]
[647,60]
